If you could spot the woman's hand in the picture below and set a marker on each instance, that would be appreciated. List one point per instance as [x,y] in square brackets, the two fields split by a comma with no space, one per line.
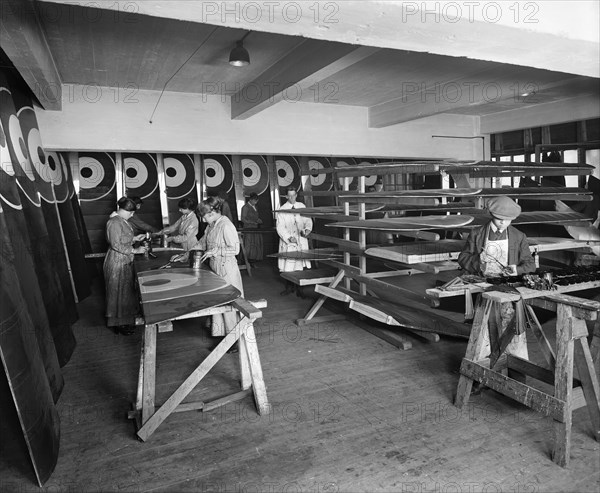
[139,250]
[140,237]
[208,254]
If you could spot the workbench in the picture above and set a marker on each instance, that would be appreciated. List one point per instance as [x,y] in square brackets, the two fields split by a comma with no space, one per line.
[178,293]
[515,377]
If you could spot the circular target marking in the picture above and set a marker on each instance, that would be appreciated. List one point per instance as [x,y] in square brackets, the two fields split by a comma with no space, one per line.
[96,175]
[136,173]
[174,172]
[23,169]
[141,175]
[15,160]
[370,180]
[54,168]
[215,173]
[5,162]
[256,175]
[19,147]
[180,176]
[37,155]
[92,173]
[59,177]
[218,173]
[351,179]
[8,190]
[288,173]
[319,182]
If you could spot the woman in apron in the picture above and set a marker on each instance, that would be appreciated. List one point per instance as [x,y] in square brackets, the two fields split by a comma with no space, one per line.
[498,249]
[220,245]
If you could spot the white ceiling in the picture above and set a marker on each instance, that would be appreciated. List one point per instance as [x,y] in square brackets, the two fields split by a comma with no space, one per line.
[119,48]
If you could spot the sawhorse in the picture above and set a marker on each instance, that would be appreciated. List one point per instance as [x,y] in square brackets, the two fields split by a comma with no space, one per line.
[571,348]
[148,418]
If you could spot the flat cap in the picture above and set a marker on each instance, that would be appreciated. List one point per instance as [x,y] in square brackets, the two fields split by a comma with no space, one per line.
[503,207]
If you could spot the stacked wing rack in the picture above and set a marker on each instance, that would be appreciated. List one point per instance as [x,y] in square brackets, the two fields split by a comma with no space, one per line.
[386,296]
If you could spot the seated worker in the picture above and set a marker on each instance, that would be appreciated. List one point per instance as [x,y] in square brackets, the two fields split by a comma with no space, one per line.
[185,229]
[498,249]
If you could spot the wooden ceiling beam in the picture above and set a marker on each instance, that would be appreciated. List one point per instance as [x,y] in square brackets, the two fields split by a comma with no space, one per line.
[295,74]
[581,107]
[548,34]
[422,99]
[24,43]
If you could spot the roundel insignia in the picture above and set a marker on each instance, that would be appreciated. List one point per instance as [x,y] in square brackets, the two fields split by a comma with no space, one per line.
[256,175]
[19,161]
[288,172]
[370,180]
[180,176]
[218,173]
[57,163]
[341,163]
[8,184]
[41,169]
[96,175]
[320,182]
[141,174]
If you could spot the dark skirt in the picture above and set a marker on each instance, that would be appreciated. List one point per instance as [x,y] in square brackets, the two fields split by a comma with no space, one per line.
[122,303]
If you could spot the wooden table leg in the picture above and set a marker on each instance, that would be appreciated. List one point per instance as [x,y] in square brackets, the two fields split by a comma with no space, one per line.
[187,386]
[246,378]
[140,386]
[149,371]
[474,348]
[595,345]
[258,383]
[589,383]
[563,383]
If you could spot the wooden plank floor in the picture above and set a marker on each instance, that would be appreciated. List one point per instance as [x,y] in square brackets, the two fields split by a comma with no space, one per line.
[349,412]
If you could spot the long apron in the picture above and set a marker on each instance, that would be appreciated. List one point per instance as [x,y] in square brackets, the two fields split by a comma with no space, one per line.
[222,236]
[495,255]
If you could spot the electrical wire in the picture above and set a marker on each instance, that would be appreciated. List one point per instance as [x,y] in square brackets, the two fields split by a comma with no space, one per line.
[177,71]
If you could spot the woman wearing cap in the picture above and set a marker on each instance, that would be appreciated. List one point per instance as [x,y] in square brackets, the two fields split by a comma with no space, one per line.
[498,249]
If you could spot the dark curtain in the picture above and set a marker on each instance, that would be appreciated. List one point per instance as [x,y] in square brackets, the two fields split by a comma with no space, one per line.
[42,273]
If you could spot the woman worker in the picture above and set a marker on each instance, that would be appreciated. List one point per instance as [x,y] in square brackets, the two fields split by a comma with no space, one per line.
[498,249]
[184,230]
[122,304]
[220,245]
[250,219]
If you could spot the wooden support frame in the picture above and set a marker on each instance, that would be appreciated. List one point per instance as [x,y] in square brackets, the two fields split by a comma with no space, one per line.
[571,349]
[145,413]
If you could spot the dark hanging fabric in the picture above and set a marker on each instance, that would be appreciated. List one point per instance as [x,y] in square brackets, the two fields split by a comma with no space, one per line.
[48,225]
[60,307]
[23,366]
[38,305]
[35,291]
[14,227]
